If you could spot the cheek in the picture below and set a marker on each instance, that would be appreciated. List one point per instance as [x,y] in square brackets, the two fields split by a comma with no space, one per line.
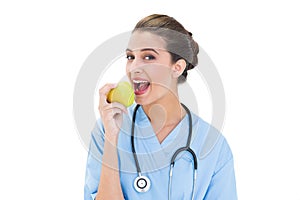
[160,75]
[128,70]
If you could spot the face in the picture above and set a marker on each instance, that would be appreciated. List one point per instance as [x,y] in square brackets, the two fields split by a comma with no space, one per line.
[149,68]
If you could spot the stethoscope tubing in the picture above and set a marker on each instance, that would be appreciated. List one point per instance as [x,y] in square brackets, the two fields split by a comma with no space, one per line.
[172,163]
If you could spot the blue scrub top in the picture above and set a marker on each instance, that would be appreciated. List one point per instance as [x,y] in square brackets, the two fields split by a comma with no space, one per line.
[215,174]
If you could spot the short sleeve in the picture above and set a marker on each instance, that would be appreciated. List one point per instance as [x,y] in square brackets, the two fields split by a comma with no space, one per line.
[223,184]
[93,166]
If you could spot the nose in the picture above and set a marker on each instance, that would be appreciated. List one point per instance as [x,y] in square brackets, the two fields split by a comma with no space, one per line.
[134,67]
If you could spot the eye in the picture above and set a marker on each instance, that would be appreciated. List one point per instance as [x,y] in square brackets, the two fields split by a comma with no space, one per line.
[129,57]
[149,57]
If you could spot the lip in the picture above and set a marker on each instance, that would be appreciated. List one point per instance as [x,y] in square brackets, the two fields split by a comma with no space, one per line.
[139,79]
[141,92]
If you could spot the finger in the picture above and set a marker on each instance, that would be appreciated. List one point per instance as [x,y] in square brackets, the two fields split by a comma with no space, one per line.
[112,112]
[103,93]
[115,105]
[106,88]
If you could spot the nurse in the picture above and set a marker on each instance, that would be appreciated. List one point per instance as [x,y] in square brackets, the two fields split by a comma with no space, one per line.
[157,148]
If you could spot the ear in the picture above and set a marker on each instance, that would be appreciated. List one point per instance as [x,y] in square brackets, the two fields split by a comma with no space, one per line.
[178,68]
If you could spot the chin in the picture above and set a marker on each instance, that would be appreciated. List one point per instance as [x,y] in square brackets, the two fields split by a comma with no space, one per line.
[142,101]
[147,100]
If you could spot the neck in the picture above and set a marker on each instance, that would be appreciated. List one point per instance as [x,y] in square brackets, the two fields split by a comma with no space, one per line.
[164,115]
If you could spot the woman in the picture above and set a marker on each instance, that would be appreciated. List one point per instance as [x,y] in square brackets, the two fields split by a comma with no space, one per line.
[132,148]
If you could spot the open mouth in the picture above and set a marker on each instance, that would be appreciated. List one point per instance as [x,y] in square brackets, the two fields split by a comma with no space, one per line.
[140,86]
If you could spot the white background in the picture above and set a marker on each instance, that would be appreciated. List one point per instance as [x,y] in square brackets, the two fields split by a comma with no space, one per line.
[254,45]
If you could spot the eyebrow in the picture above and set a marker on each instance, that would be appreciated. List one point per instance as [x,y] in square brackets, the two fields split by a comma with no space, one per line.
[145,49]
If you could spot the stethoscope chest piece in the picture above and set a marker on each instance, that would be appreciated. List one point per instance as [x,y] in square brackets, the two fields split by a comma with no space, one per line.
[142,184]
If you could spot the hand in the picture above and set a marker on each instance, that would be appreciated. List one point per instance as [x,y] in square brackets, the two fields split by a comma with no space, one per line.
[111,113]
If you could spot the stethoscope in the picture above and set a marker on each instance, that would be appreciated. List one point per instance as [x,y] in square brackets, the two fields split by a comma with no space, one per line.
[143,183]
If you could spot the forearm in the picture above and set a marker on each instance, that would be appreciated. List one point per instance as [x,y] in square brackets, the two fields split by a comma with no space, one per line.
[110,186]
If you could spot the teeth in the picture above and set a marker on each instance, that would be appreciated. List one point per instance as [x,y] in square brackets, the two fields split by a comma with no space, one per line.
[139,81]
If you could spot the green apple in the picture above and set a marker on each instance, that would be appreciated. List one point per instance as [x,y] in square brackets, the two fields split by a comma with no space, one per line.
[123,94]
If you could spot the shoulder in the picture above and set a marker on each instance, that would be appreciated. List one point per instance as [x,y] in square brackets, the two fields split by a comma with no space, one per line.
[209,141]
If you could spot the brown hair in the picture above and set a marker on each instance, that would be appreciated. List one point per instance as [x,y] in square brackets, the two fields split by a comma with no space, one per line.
[179,41]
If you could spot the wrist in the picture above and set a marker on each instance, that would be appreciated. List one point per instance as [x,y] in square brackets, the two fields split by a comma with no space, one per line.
[110,153]
[111,138]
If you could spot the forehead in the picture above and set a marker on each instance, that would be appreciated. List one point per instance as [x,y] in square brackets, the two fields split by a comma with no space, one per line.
[144,39]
